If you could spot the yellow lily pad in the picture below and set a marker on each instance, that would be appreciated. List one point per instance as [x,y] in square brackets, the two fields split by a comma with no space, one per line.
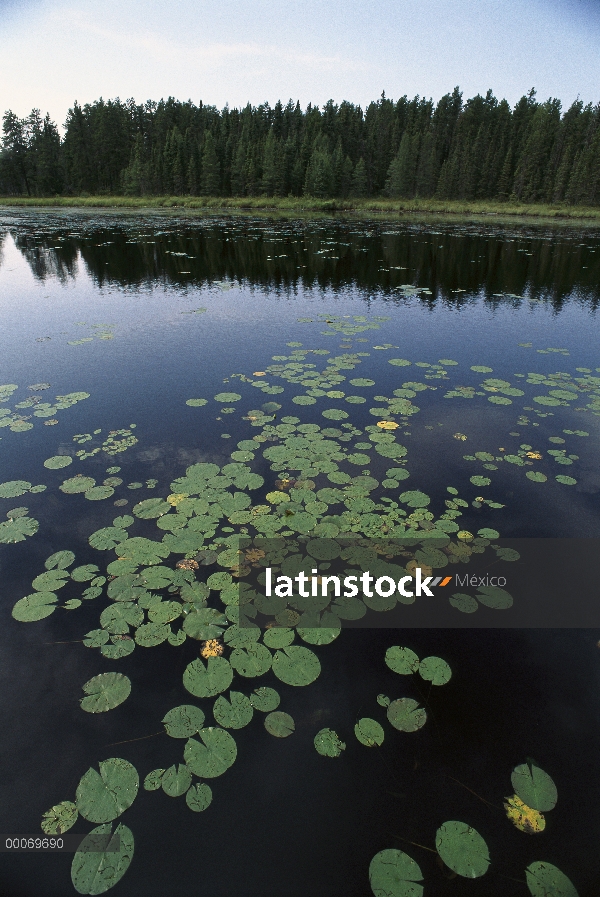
[523,817]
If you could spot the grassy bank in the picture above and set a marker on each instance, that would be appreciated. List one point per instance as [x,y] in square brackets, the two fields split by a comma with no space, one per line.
[384,207]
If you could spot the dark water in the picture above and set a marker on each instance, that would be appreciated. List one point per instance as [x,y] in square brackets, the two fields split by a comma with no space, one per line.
[284,820]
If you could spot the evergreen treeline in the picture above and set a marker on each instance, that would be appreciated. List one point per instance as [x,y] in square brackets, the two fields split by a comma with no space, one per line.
[478,149]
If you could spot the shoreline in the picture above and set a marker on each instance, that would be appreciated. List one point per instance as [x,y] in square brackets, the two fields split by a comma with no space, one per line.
[383,208]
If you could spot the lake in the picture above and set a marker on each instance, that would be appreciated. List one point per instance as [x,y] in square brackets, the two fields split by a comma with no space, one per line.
[189,405]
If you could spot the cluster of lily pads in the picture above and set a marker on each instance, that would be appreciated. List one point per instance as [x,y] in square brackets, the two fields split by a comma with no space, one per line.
[392,872]
[19,421]
[323,502]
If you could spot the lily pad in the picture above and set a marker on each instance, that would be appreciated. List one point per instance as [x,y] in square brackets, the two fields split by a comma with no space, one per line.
[213,756]
[545,880]
[405,715]
[14,488]
[17,530]
[328,743]
[435,670]
[60,560]
[392,873]
[153,780]
[252,660]
[279,724]
[183,721]
[60,818]
[402,660]
[77,484]
[34,607]
[199,797]
[296,665]
[234,713]
[104,692]
[462,849]
[93,871]
[534,787]
[176,780]
[205,680]
[265,699]
[103,796]
[57,462]
[369,732]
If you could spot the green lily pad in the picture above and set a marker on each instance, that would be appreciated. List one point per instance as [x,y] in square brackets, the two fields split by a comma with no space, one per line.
[104,692]
[392,873]
[402,660]
[435,670]
[278,637]
[57,462]
[369,732]
[14,488]
[176,780]
[566,481]
[251,660]
[60,560]
[77,484]
[153,780]
[84,573]
[234,713]
[60,818]
[151,508]
[149,635]
[279,724]
[17,530]
[534,787]
[228,397]
[296,665]
[94,871]
[98,493]
[183,721]
[107,537]
[101,797]
[117,618]
[265,699]
[405,715]
[480,481]
[213,756]
[208,680]
[462,849]
[199,797]
[51,581]
[34,607]
[197,403]
[328,744]
[536,476]
[545,880]
[415,499]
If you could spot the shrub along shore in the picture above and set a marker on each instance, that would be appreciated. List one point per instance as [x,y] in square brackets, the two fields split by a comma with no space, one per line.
[304,204]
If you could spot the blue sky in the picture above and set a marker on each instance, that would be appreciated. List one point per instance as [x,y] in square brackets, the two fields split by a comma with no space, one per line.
[57,51]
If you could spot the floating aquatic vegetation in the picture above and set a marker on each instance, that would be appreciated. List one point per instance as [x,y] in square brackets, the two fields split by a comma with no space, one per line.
[462,849]
[104,692]
[328,743]
[392,872]
[543,878]
[279,724]
[534,786]
[59,819]
[525,818]
[369,732]
[95,871]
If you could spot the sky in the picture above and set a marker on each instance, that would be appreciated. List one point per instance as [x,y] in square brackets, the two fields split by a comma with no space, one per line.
[54,52]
